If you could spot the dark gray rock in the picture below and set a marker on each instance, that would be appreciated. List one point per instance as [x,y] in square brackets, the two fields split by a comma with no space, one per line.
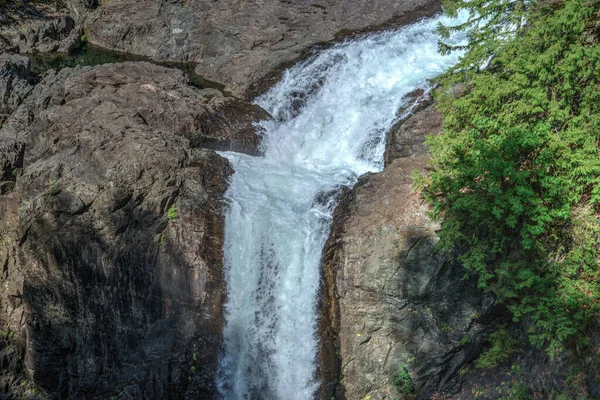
[11,159]
[407,136]
[16,82]
[111,234]
[43,35]
[240,44]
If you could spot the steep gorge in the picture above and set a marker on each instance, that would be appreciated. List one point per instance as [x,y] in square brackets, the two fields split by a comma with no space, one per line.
[331,115]
[113,216]
[137,262]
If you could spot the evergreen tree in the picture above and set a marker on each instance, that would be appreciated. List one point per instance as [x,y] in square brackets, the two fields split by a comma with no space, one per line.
[516,177]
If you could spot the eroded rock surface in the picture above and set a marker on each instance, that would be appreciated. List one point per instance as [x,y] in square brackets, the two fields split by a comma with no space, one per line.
[41,36]
[407,138]
[16,82]
[236,43]
[111,229]
[393,302]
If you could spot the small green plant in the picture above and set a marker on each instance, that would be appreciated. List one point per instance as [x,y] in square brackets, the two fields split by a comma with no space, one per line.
[172,212]
[32,392]
[503,345]
[83,39]
[446,328]
[464,340]
[53,188]
[403,382]
[7,334]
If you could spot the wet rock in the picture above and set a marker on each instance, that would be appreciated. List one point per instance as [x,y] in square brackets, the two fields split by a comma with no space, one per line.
[393,302]
[16,82]
[230,125]
[240,44]
[111,234]
[407,137]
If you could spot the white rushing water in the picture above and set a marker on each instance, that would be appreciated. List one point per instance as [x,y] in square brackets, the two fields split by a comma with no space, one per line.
[331,115]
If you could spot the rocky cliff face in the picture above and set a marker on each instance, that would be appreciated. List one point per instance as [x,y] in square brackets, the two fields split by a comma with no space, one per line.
[16,82]
[111,230]
[243,45]
[111,222]
[398,319]
[239,44]
[58,34]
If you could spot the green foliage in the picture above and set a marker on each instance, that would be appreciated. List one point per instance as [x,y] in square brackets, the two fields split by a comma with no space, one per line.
[491,23]
[53,188]
[172,212]
[7,334]
[516,176]
[403,382]
[503,345]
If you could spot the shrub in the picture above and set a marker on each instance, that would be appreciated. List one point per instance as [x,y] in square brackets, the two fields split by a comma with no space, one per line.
[516,177]
[172,212]
[403,382]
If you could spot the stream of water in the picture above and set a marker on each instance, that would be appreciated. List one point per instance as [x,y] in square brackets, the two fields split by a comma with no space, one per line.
[331,112]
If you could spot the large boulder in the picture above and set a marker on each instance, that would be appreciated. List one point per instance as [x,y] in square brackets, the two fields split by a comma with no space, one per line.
[399,318]
[240,44]
[111,234]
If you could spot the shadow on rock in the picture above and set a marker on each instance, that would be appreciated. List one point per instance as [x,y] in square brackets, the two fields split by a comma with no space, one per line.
[111,229]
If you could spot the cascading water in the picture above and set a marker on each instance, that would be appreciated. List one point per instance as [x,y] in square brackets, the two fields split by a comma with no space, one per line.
[331,115]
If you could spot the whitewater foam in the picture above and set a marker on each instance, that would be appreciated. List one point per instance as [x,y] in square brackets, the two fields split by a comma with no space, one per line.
[331,113]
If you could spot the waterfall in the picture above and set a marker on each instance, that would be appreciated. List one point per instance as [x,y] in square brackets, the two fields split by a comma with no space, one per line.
[331,113]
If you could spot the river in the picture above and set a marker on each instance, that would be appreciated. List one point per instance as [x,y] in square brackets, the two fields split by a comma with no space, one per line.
[331,114]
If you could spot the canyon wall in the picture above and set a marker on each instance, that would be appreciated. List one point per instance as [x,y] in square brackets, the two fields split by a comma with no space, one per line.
[400,318]
[111,230]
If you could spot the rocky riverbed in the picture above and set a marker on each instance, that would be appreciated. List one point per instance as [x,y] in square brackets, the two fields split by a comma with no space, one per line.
[111,206]
[112,209]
